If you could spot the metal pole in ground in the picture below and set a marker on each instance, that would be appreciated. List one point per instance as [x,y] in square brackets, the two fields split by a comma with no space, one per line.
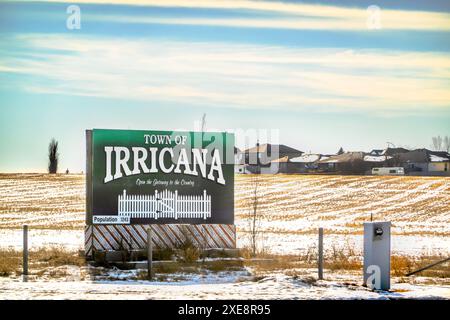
[25,252]
[320,259]
[149,252]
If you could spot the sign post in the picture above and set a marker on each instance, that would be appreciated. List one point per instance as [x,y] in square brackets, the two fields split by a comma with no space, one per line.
[25,252]
[149,253]
[320,259]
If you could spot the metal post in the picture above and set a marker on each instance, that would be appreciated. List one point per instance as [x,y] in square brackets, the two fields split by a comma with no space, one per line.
[320,260]
[25,252]
[377,255]
[149,252]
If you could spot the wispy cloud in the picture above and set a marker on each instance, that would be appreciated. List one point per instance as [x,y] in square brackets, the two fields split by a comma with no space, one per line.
[290,15]
[234,76]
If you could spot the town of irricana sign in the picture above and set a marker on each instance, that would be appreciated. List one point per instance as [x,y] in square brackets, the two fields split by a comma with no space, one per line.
[162,178]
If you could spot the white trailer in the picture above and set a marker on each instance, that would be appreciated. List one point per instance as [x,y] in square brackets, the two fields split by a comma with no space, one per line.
[388,171]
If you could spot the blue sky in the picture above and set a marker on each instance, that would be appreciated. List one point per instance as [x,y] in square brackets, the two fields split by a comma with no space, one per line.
[312,70]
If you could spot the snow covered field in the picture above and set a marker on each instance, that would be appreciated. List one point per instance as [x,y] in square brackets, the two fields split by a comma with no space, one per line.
[292,206]
[219,286]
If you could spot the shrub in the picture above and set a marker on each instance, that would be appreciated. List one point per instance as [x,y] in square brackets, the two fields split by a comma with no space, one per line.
[163,254]
[10,262]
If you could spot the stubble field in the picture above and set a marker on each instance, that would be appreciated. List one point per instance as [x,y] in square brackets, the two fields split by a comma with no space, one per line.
[291,208]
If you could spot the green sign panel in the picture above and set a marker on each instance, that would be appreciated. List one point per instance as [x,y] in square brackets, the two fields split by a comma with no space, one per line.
[151,177]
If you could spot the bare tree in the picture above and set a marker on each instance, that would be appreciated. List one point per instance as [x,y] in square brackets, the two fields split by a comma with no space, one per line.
[437,143]
[441,143]
[53,156]
[255,217]
[446,143]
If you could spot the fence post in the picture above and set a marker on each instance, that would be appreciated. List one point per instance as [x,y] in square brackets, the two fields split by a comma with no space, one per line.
[149,252]
[156,204]
[320,260]
[25,252]
[204,204]
[175,202]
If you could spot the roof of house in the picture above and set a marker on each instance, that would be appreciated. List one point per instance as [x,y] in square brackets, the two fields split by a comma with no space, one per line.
[376,158]
[377,152]
[387,151]
[307,158]
[435,158]
[283,159]
[438,156]
[394,151]
[345,157]
[424,155]
[267,147]
[413,156]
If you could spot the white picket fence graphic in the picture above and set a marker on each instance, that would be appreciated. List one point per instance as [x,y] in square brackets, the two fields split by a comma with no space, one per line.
[165,204]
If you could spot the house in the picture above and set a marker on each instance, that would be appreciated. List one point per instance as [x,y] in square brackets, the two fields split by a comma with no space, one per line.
[281,165]
[390,152]
[239,163]
[348,162]
[306,162]
[259,158]
[388,157]
[439,162]
[425,162]
[272,158]
[267,152]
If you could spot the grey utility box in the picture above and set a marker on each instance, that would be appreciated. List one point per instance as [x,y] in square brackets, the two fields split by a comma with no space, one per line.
[377,255]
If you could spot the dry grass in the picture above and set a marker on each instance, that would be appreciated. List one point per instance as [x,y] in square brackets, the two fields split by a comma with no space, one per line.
[51,262]
[339,259]
[39,260]
[224,265]
[57,256]
[169,267]
[189,252]
[342,259]
[10,262]
[163,254]
[401,265]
